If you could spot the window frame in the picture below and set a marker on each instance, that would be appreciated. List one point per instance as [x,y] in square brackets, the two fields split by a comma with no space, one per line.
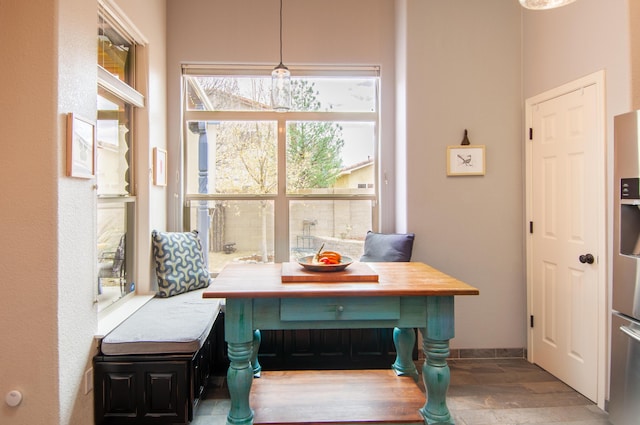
[282,199]
[129,95]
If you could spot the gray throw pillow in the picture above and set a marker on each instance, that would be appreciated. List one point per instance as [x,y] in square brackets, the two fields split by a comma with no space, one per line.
[180,265]
[379,247]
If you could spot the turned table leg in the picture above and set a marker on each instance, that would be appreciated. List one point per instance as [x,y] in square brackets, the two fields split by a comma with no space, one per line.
[435,371]
[255,362]
[404,340]
[240,340]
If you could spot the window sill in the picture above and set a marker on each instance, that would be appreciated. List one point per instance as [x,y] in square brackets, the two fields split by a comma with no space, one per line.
[111,317]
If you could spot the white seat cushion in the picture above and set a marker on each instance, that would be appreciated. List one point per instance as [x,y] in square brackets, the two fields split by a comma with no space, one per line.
[179,324]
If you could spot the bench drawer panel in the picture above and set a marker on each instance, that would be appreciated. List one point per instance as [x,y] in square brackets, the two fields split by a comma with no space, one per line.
[340,308]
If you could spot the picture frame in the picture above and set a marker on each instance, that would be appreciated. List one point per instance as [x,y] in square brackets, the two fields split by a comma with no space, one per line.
[81,147]
[159,167]
[467,160]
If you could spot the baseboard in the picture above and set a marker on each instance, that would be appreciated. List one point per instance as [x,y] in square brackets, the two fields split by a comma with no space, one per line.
[484,353]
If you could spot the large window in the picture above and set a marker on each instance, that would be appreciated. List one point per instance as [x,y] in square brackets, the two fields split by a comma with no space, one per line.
[116,99]
[263,186]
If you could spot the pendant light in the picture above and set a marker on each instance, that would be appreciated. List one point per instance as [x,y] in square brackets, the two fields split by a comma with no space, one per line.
[281,81]
[544,4]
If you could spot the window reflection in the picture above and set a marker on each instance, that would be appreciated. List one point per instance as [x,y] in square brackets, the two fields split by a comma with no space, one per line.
[112,128]
[115,52]
[112,272]
[114,201]
[114,158]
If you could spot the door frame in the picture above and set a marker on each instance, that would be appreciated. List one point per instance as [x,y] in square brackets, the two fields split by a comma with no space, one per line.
[597,79]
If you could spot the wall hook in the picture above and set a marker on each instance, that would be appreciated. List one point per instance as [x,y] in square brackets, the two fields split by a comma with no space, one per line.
[465,139]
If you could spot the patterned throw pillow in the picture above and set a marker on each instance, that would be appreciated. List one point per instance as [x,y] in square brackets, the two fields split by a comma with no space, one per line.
[180,265]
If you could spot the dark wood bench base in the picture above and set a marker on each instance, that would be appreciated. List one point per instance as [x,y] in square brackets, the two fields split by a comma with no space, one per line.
[152,389]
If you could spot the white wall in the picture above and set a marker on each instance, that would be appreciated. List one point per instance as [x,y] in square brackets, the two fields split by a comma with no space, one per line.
[149,19]
[29,174]
[47,254]
[76,250]
[47,263]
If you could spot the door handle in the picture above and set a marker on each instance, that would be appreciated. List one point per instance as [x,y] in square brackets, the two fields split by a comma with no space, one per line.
[586,258]
[630,333]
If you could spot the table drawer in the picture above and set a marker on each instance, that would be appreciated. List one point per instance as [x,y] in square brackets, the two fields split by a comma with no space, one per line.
[310,309]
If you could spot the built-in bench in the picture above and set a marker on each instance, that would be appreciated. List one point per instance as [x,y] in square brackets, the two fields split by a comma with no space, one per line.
[153,368]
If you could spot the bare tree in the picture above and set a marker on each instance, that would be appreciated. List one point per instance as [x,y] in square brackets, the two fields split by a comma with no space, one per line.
[246,151]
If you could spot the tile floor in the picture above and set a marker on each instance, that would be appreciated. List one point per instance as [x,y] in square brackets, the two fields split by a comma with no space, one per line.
[482,392]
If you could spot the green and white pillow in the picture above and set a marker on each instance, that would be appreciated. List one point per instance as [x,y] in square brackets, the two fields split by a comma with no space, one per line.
[180,265]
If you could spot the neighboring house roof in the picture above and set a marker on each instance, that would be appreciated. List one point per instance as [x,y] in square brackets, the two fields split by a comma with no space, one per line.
[201,98]
[357,166]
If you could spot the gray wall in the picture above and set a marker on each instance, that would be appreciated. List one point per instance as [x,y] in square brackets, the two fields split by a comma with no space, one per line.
[460,64]
[446,66]
[314,32]
[463,72]
[566,44]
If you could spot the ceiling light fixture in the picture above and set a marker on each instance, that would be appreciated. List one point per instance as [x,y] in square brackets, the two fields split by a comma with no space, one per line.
[281,81]
[544,4]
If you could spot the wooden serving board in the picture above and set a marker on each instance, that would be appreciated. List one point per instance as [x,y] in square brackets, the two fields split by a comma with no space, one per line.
[356,272]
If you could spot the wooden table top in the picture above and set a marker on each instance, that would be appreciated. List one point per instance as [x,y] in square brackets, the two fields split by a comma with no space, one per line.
[394,279]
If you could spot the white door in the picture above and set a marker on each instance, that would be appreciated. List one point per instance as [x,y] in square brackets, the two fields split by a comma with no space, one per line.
[565,260]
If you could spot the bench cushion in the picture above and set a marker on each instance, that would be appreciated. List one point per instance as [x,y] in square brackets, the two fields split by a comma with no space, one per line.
[174,325]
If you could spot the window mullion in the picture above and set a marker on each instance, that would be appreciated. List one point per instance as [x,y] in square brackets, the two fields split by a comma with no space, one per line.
[273,116]
[282,204]
[119,88]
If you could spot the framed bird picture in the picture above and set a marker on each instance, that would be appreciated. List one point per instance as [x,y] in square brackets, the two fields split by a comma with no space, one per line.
[465,160]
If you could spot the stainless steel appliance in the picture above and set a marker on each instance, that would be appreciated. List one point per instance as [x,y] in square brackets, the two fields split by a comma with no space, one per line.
[624,394]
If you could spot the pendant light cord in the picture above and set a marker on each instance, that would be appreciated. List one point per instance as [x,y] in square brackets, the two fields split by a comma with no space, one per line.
[280,32]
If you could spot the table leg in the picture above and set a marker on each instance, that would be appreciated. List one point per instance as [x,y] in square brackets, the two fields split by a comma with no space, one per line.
[239,377]
[255,363]
[239,336]
[435,371]
[404,340]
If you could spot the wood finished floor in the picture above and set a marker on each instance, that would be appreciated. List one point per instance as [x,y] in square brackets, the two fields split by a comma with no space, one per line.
[482,392]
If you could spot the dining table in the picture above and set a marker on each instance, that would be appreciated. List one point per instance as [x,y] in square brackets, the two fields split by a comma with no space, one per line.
[404,296]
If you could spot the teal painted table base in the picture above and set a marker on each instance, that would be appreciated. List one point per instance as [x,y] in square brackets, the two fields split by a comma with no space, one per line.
[432,315]
[407,296]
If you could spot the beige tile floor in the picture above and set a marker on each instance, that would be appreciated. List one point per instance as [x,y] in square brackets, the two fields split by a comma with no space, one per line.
[482,392]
